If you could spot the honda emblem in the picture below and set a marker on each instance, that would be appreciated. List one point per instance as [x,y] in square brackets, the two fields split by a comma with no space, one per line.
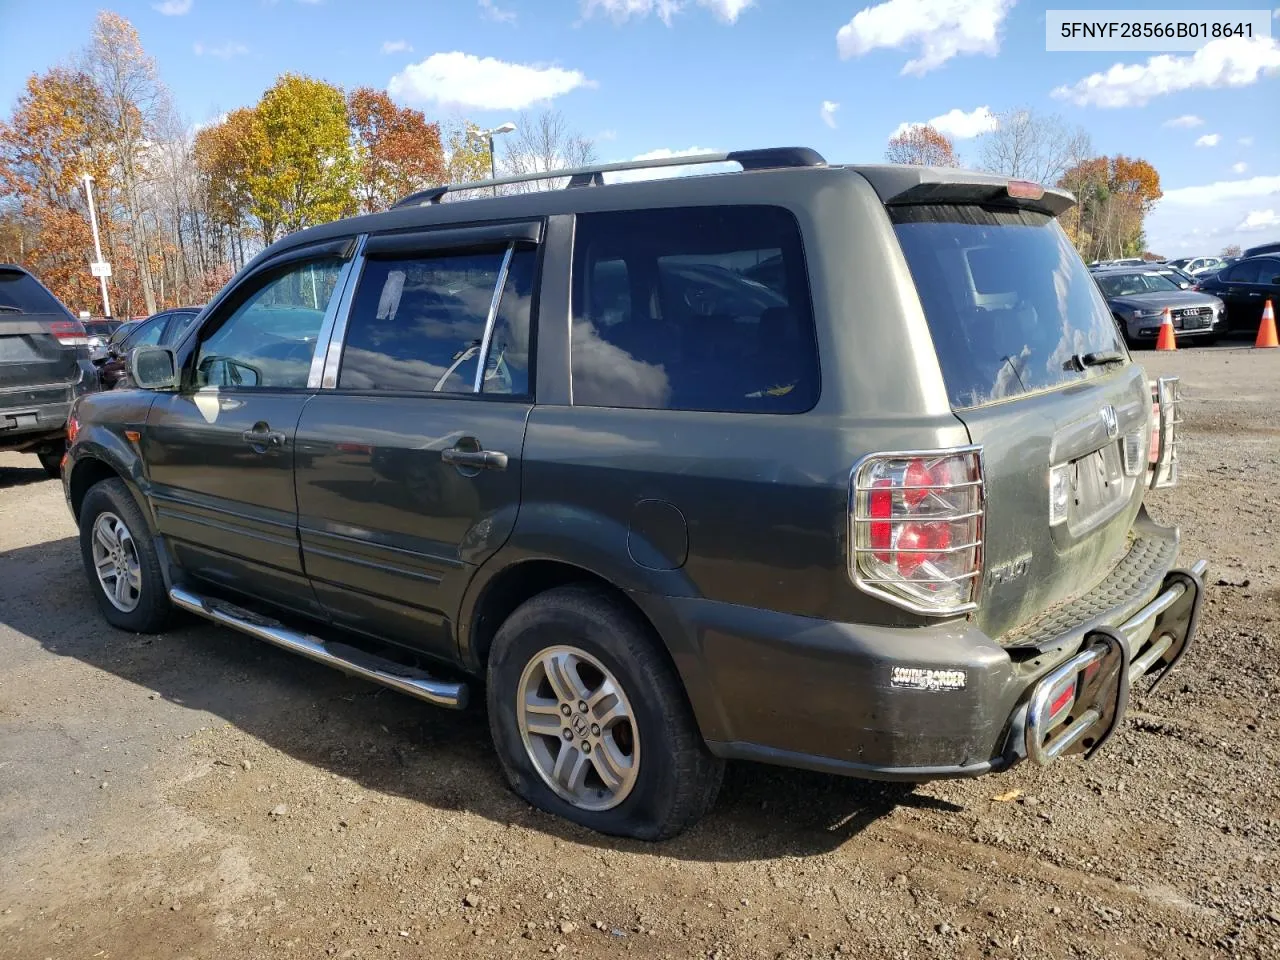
[1108,415]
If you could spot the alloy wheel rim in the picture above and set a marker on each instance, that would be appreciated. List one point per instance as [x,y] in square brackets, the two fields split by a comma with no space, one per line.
[578,728]
[115,560]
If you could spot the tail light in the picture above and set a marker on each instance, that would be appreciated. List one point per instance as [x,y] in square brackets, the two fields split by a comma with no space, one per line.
[73,430]
[69,333]
[916,528]
[1166,400]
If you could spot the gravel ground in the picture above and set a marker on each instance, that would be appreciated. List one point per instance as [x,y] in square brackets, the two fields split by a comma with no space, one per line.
[199,794]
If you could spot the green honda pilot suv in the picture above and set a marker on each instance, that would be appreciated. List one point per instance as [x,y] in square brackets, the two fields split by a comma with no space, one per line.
[833,467]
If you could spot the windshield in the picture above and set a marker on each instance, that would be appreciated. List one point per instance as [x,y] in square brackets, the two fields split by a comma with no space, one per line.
[1009,302]
[1135,284]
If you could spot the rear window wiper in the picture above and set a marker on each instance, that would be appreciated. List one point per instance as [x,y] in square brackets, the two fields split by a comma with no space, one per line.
[1098,359]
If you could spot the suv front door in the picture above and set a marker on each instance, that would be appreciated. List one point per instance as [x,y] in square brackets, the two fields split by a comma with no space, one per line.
[409,459]
[219,451]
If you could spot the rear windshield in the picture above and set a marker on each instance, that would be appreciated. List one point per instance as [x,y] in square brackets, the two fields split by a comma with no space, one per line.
[20,293]
[1011,306]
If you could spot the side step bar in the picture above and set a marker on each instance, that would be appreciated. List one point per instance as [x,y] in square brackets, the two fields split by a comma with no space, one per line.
[408,680]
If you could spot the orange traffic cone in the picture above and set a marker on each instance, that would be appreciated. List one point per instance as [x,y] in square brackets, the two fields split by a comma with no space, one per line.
[1166,339]
[1267,330]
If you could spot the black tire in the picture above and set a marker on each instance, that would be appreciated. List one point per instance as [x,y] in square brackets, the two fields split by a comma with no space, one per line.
[51,460]
[153,609]
[677,777]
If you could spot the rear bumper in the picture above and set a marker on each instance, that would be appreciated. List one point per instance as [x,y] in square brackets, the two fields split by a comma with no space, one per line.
[928,702]
[32,416]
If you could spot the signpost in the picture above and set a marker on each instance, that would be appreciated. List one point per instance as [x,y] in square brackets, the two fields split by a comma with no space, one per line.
[99,268]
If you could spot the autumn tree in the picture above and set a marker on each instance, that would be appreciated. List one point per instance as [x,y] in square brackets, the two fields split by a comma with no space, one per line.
[131,93]
[1231,250]
[921,145]
[1027,145]
[301,168]
[227,154]
[1113,197]
[466,153]
[396,150]
[45,149]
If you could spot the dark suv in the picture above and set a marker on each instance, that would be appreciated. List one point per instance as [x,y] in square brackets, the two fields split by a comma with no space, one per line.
[44,366]
[832,467]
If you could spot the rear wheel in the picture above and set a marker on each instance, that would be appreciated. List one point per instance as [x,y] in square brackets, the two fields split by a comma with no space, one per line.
[590,721]
[121,560]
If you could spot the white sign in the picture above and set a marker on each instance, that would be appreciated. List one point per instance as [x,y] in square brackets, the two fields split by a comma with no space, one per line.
[100,268]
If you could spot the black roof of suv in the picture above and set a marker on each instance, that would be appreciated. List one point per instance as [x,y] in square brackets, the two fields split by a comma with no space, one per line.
[838,467]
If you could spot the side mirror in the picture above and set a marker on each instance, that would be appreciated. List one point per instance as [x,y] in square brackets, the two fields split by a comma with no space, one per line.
[153,368]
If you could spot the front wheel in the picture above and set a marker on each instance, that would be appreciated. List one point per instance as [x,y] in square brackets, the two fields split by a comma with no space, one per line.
[121,560]
[590,721]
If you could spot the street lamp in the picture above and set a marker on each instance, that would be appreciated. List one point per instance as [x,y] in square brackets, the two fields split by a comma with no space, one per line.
[100,269]
[489,135]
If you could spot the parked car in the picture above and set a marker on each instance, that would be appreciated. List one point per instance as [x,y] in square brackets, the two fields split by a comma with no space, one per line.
[1245,287]
[881,517]
[1262,248]
[1197,265]
[44,366]
[1139,298]
[163,328]
[99,334]
[1184,280]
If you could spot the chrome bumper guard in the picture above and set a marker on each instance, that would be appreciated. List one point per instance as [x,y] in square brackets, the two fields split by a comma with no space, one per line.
[1076,707]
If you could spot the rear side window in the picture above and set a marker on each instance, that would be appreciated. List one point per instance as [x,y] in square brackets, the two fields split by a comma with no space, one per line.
[21,293]
[1010,304]
[694,308]
[417,324]
[1247,272]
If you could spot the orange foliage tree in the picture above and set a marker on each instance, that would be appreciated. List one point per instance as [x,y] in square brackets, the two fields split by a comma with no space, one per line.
[1113,197]
[397,150]
[922,145]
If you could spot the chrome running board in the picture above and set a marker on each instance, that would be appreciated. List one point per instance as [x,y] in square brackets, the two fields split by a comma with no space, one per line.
[408,680]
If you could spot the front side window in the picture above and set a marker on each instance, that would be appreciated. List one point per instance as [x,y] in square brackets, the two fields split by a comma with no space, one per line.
[270,336]
[695,308]
[147,335]
[417,324]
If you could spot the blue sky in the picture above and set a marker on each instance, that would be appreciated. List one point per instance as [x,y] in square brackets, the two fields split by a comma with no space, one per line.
[640,76]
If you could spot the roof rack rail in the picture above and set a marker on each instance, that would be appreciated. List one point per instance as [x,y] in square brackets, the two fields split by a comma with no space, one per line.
[770,158]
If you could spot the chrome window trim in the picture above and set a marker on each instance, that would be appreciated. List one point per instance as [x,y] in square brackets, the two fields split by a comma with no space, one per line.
[494,302]
[324,365]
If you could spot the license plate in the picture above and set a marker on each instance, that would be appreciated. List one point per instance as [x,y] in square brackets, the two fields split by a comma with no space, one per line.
[18,420]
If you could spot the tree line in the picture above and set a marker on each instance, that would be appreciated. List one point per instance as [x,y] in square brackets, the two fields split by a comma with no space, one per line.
[1113,194]
[180,209]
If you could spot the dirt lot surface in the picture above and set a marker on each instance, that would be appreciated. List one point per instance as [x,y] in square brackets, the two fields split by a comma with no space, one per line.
[199,794]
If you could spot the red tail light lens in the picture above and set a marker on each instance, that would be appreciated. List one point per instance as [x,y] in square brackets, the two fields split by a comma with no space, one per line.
[73,430]
[69,333]
[916,529]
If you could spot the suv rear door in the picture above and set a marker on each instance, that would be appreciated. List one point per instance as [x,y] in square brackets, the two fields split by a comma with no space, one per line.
[409,460]
[1023,337]
[219,452]
[41,344]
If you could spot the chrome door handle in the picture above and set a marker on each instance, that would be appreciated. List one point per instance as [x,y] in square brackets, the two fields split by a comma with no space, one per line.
[270,439]
[480,459]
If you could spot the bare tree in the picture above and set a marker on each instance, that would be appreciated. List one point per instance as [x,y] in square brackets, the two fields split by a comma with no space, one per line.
[1032,146]
[543,143]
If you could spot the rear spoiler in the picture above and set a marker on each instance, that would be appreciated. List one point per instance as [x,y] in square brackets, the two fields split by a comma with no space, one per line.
[899,185]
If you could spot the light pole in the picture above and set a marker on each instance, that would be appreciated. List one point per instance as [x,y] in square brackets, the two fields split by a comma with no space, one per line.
[493,164]
[97,244]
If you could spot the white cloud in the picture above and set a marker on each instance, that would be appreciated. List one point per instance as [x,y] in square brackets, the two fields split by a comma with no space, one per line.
[1229,62]
[620,11]
[1246,141]
[665,153]
[1240,167]
[1221,211]
[1186,121]
[941,29]
[828,112]
[172,8]
[396,46]
[1259,220]
[1222,191]
[491,11]
[1209,140]
[224,51]
[463,80]
[956,124]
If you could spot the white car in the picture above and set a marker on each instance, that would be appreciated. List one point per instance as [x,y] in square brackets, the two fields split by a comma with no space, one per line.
[1198,265]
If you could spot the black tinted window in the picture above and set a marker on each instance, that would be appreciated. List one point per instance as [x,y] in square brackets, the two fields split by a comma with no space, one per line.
[147,334]
[417,324]
[20,293]
[1246,272]
[1008,300]
[700,308]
